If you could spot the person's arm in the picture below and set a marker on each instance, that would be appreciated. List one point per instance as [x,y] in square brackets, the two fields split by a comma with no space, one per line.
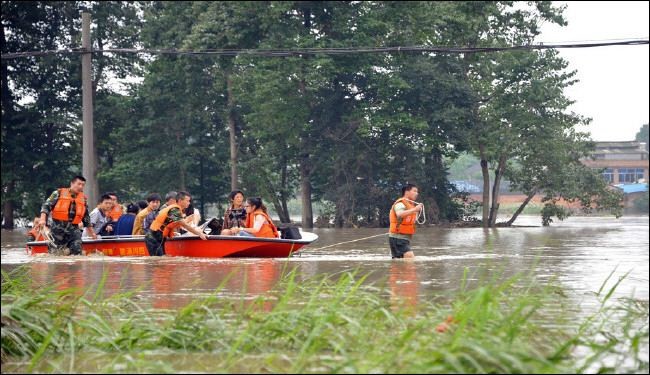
[176,216]
[85,221]
[226,220]
[46,208]
[91,232]
[194,230]
[401,211]
[257,225]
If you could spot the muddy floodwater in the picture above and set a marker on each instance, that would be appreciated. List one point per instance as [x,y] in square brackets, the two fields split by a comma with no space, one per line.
[579,253]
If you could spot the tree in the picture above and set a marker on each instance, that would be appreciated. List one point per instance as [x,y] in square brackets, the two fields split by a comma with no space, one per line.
[40,105]
[642,136]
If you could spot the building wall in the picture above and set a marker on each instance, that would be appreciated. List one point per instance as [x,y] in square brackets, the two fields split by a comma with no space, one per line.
[617,164]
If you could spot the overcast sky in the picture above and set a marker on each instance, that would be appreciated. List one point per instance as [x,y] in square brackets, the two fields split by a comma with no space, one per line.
[613,87]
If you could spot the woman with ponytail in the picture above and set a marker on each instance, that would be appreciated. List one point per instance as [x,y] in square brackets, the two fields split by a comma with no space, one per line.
[258,222]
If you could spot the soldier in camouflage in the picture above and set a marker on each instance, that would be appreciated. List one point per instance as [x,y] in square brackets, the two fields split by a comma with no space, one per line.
[69,208]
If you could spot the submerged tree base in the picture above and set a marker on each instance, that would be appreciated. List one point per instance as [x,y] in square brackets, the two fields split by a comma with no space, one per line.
[334,325]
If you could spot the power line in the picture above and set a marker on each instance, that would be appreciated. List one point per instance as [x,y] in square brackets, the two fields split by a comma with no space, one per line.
[323,51]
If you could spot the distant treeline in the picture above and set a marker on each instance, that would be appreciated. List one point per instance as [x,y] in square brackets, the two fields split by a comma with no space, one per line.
[346,130]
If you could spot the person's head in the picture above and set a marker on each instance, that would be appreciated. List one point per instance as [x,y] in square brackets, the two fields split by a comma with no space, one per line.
[171,197]
[132,208]
[153,201]
[183,199]
[113,197]
[254,204]
[190,208]
[142,204]
[410,191]
[77,184]
[236,198]
[105,203]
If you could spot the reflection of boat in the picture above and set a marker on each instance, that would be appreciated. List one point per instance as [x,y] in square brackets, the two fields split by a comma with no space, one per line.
[192,246]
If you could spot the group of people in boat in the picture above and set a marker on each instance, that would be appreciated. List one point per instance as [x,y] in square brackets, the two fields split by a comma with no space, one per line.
[67,210]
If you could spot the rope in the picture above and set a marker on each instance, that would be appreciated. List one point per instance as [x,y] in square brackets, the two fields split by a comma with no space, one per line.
[341,243]
[422,214]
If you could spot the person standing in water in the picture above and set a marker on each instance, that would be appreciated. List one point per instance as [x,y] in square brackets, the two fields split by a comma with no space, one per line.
[403,214]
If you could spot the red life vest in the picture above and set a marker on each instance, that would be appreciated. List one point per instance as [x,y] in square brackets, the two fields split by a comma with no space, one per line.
[61,210]
[405,225]
[159,222]
[115,212]
[38,236]
[268,229]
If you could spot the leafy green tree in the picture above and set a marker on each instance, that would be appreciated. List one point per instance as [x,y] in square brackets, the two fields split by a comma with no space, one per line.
[642,136]
[40,105]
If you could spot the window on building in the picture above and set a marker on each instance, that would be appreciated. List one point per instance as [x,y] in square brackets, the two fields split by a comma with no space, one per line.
[608,175]
[629,175]
[639,174]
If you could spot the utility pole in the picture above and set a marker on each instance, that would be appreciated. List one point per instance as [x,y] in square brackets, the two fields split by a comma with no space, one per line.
[89,164]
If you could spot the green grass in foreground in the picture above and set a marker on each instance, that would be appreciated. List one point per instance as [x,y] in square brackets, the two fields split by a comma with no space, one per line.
[325,324]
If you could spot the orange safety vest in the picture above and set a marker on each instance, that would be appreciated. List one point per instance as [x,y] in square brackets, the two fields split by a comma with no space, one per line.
[61,210]
[268,229]
[405,225]
[115,212]
[38,236]
[159,223]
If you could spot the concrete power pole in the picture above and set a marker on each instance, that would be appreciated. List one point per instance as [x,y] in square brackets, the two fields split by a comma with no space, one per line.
[89,164]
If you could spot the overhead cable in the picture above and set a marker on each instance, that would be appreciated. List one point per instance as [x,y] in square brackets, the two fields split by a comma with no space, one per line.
[322,51]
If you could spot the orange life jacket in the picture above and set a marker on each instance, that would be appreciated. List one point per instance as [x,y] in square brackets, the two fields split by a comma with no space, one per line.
[159,223]
[115,212]
[38,236]
[268,229]
[61,210]
[405,225]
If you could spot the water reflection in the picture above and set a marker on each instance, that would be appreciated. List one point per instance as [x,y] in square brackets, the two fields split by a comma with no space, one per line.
[404,284]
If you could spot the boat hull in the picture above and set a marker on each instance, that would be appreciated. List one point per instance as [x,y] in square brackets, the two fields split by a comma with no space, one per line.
[192,246]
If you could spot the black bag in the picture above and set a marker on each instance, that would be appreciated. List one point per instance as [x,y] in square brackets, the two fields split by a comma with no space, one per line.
[215,226]
[290,233]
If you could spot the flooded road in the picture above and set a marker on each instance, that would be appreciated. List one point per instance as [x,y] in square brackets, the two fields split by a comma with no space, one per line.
[579,253]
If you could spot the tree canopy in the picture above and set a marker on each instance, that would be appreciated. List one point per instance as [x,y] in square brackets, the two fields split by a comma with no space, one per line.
[345,130]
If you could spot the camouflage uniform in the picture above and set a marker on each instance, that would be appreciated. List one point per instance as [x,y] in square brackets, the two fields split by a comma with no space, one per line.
[154,238]
[67,236]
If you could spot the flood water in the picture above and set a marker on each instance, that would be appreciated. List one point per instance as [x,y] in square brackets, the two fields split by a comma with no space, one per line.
[579,253]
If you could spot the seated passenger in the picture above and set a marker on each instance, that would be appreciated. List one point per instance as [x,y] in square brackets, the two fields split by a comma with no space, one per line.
[192,215]
[142,204]
[101,223]
[170,199]
[116,212]
[258,223]
[153,202]
[35,234]
[124,226]
[235,215]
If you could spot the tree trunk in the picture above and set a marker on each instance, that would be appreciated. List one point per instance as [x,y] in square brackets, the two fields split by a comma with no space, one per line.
[521,208]
[501,167]
[277,206]
[8,133]
[284,209]
[486,185]
[305,188]
[232,130]
[8,208]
